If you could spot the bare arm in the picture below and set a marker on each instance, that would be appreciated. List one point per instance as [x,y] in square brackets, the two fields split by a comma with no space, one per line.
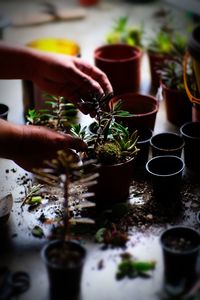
[30,145]
[59,75]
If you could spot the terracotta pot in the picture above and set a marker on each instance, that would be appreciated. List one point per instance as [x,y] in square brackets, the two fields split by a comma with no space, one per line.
[113,184]
[88,2]
[155,62]
[180,246]
[178,106]
[64,277]
[4,111]
[167,143]
[143,107]
[166,177]
[122,64]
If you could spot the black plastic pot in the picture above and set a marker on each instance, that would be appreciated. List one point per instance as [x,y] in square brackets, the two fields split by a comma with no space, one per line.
[167,143]
[166,177]
[180,246]
[143,144]
[191,135]
[4,111]
[64,279]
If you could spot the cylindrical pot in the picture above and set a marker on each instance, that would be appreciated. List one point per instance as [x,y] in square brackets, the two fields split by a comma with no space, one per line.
[143,108]
[143,145]
[4,111]
[155,63]
[167,143]
[113,184]
[166,177]
[122,64]
[180,246]
[64,262]
[178,106]
[191,134]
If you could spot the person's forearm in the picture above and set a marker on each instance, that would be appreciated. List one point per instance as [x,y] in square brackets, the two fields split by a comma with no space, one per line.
[16,62]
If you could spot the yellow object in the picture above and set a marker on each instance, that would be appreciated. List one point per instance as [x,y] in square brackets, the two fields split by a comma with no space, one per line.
[61,46]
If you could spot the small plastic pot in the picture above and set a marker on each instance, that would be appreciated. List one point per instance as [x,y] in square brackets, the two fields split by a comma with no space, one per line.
[143,144]
[190,132]
[4,111]
[166,177]
[167,143]
[64,277]
[180,246]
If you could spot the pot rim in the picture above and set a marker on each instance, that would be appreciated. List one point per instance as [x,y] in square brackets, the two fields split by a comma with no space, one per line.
[164,157]
[143,97]
[187,135]
[165,149]
[137,53]
[177,227]
[51,243]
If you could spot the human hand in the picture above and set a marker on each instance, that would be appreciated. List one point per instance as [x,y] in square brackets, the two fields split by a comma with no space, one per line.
[70,77]
[29,146]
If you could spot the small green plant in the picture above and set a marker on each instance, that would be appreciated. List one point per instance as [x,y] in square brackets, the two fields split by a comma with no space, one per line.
[58,116]
[74,177]
[132,268]
[112,143]
[122,33]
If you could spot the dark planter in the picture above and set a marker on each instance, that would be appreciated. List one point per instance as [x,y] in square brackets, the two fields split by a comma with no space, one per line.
[143,108]
[4,111]
[191,134]
[166,177]
[113,184]
[64,271]
[88,2]
[155,63]
[122,64]
[143,144]
[180,246]
[167,143]
[178,106]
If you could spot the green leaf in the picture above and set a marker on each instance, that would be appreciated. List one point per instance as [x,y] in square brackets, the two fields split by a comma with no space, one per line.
[99,236]
[37,231]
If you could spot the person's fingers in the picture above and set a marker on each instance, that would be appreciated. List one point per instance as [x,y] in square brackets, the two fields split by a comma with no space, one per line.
[74,143]
[72,93]
[97,75]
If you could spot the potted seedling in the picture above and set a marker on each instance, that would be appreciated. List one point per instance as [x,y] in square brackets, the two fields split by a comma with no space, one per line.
[114,148]
[122,32]
[64,257]
[178,106]
[58,116]
[180,246]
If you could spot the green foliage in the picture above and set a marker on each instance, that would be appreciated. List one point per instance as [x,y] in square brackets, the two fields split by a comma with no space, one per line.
[131,268]
[122,33]
[168,41]
[58,116]
[111,138]
[108,153]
